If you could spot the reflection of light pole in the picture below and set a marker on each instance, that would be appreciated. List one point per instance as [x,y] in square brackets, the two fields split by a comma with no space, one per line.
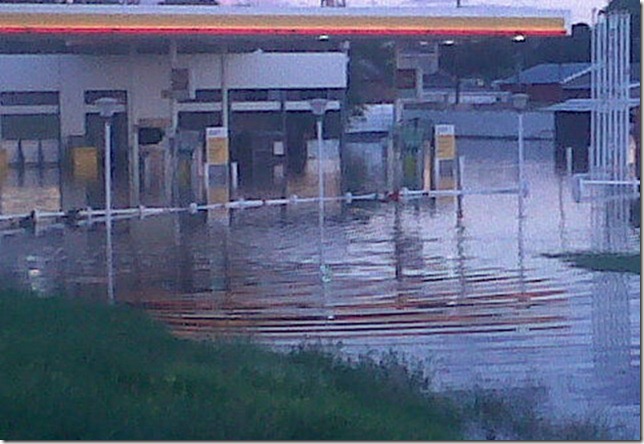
[107,107]
[318,107]
[451,43]
[520,101]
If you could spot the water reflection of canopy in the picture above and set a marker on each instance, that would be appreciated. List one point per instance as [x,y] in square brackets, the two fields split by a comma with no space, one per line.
[20,23]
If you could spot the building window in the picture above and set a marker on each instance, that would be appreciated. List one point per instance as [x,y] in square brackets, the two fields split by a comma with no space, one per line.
[150,136]
[199,120]
[204,96]
[29,98]
[249,95]
[30,126]
[275,95]
[307,94]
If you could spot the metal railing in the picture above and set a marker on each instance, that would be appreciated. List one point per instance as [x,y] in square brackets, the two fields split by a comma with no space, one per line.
[90,215]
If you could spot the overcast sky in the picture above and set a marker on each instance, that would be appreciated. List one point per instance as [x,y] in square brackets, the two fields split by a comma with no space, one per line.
[581,9]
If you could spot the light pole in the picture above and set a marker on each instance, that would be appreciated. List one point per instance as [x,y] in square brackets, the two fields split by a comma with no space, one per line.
[318,107]
[107,107]
[520,101]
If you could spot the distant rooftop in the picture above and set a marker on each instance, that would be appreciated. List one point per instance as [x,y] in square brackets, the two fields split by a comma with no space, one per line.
[583,81]
[584,105]
[546,73]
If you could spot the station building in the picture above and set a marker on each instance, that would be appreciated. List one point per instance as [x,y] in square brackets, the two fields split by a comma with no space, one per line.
[177,70]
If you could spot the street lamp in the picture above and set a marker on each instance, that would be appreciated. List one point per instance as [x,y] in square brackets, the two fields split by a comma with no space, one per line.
[520,101]
[107,107]
[318,107]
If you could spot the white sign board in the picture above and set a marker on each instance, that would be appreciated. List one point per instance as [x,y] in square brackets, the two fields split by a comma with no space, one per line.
[444,130]
[217,131]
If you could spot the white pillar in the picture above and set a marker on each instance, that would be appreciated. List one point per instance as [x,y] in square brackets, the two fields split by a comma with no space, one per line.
[224,91]
[133,133]
[170,153]
[419,83]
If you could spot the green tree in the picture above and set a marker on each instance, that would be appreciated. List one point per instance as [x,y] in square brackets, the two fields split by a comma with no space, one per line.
[371,73]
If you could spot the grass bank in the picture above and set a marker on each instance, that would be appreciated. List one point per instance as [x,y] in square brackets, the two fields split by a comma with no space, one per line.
[618,262]
[73,370]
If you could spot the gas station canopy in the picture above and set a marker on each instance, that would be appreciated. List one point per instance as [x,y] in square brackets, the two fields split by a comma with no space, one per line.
[165,20]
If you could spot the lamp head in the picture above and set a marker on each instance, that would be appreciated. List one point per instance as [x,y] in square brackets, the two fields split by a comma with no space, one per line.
[107,106]
[318,106]
[520,101]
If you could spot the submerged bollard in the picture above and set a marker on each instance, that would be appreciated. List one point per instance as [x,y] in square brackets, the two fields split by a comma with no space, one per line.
[30,221]
[72,216]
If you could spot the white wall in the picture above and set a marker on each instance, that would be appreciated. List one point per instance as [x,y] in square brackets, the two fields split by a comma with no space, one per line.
[290,70]
[29,73]
[146,76]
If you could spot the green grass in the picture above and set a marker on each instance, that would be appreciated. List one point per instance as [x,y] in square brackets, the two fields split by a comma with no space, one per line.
[77,370]
[619,262]
[74,370]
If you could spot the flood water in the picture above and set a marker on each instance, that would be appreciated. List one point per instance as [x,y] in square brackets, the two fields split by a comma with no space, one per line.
[474,297]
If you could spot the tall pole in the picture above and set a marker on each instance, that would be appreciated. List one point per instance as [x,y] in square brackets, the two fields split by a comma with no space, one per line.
[108,167]
[321,198]
[225,106]
[318,107]
[520,219]
[108,208]
[107,107]
[521,159]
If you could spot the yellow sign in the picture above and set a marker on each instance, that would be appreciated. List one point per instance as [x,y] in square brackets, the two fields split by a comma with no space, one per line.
[217,145]
[445,142]
[218,195]
[85,163]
